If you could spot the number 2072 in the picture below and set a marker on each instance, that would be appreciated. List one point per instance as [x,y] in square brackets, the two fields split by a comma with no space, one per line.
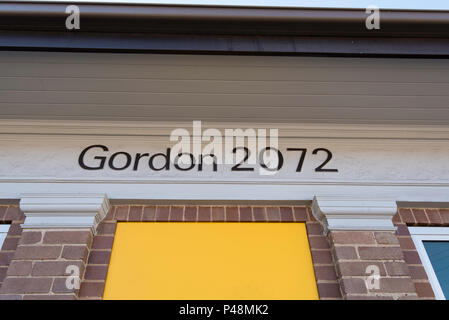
[302,153]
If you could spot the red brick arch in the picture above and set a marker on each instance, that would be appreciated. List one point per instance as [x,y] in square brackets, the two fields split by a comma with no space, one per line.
[98,261]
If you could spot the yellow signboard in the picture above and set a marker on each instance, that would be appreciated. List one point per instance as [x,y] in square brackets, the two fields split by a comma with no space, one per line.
[192,261]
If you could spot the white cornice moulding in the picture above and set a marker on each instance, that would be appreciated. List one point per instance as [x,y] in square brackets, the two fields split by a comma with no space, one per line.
[352,213]
[45,211]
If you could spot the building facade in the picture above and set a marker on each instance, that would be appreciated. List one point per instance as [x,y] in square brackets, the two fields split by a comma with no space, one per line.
[115,180]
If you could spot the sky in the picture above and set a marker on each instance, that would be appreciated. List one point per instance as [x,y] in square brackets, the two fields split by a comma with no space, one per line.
[386,4]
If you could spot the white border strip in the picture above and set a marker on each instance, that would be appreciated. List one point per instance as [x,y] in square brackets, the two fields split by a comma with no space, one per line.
[420,234]
[232,191]
[4,228]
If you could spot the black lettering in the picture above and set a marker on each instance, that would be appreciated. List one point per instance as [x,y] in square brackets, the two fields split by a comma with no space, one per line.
[237,166]
[102,159]
[128,160]
[214,158]
[138,157]
[166,157]
[192,161]
[320,168]
[280,159]
[301,158]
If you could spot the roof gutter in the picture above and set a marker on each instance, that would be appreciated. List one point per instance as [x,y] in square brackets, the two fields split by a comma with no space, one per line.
[222,29]
[222,19]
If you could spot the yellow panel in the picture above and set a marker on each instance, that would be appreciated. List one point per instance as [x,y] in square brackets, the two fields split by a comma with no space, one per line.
[152,260]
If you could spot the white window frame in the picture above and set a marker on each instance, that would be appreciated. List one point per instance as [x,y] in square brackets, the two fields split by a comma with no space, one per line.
[3,233]
[420,234]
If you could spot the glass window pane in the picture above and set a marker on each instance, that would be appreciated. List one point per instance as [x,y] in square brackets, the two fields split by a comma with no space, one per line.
[438,252]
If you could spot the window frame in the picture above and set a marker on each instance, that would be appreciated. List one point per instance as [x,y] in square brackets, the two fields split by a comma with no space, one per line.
[4,228]
[420,234]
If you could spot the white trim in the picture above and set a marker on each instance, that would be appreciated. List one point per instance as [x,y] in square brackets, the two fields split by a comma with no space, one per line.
[4,228]
[422,231]
[420,234]
[63,210]
[223,181]
[353,213]
[228,191]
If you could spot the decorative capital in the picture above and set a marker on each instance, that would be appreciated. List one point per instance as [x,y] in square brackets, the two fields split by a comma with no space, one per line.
[351,213]
[63,210]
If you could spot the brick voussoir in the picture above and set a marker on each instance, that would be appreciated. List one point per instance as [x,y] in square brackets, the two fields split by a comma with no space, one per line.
[318,242]
[135,213]
[92,289]
[99,257]
[218,214]
[107,228]
[325,272]
[300,214]
[103,242]
[96,272]
[286,214]
[329,290]
[246,214]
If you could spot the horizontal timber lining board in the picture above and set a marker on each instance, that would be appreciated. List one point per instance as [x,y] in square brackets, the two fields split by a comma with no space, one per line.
[208,202]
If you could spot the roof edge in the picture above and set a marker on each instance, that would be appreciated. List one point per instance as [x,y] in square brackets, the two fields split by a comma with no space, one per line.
[213,19]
